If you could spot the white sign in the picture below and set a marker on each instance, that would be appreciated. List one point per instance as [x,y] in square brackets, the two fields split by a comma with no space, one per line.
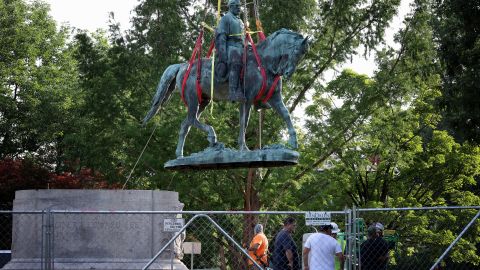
[173,224]
[192,247]
[317,218]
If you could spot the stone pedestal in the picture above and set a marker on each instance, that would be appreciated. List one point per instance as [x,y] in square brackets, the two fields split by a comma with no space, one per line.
[94,241]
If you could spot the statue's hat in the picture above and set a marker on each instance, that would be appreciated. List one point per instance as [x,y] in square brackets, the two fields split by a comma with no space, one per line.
[233,2]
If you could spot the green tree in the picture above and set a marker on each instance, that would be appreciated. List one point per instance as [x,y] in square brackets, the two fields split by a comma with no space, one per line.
[389,150]
[38,82]
[118,74]
[457,27]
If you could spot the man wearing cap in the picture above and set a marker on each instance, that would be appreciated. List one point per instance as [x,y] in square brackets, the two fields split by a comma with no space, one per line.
[335,229]
[374,251]
[229,42]
[258,248]
[320,250]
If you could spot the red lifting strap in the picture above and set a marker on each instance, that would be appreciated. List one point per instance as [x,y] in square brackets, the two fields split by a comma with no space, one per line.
[197,50]
[261,36]
[260,94]
[199,73]
[212,46]
[260,66]
[272,89]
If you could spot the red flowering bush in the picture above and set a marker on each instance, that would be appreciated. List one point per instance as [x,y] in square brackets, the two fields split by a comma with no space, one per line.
[20,174]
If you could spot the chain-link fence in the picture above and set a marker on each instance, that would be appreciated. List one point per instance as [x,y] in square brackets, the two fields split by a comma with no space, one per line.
[417,238]
[210,240]
[226,238]
[413,238]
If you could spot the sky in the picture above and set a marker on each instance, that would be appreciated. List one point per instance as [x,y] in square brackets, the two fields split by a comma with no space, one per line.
[93,14]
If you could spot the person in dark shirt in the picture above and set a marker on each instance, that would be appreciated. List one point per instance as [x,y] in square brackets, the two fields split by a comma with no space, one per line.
[285,254]
[374,251]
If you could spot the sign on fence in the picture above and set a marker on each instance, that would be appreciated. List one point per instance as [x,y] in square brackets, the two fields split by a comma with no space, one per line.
[173,224]
[192,247]
[317,218]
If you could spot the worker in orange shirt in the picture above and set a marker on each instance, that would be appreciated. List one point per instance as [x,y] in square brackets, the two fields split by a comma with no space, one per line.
[258,248]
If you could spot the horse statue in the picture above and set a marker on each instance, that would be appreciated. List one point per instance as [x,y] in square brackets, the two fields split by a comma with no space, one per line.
[279,53]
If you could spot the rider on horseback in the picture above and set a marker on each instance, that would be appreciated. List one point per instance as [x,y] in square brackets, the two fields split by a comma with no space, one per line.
[229,41]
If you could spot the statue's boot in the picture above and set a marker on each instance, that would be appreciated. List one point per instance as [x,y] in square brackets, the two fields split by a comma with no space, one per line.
[235,92]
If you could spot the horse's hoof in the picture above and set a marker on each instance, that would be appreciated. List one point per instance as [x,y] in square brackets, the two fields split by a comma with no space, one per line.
[293,146]
[218,145]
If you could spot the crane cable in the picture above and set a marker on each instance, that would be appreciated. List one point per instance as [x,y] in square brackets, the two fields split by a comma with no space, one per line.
[157,124]
[212,78]
[141,154]
[261,35]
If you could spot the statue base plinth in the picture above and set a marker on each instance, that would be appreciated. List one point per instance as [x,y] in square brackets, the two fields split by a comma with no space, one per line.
[219,157]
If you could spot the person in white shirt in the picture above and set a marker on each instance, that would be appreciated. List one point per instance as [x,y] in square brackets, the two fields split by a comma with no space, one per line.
[320,250]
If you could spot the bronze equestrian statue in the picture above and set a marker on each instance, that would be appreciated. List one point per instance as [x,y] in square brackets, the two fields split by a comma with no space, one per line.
[280,54]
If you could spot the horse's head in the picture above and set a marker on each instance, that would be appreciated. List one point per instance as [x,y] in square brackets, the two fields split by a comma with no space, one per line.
[296,55]
[285,49]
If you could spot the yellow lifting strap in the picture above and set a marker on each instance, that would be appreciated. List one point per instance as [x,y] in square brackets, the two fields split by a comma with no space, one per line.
[259,25]
[241,34]
[212,79]
[207,27]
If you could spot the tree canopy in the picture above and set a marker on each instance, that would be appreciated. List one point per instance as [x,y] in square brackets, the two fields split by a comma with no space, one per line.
[71,101]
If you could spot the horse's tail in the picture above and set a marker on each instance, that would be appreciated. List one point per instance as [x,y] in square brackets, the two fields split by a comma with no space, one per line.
[164,91]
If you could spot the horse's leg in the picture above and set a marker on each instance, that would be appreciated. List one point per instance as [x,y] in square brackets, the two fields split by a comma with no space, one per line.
[211,137]
[244,117]
[277,104]
[184,129]
[192,111]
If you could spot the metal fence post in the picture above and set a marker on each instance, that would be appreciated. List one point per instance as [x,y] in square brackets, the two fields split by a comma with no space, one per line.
[52,240]
[350,258]
[354,237]
[358,239]
[455,241]
[47,241]
[172,255]
[42,242]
